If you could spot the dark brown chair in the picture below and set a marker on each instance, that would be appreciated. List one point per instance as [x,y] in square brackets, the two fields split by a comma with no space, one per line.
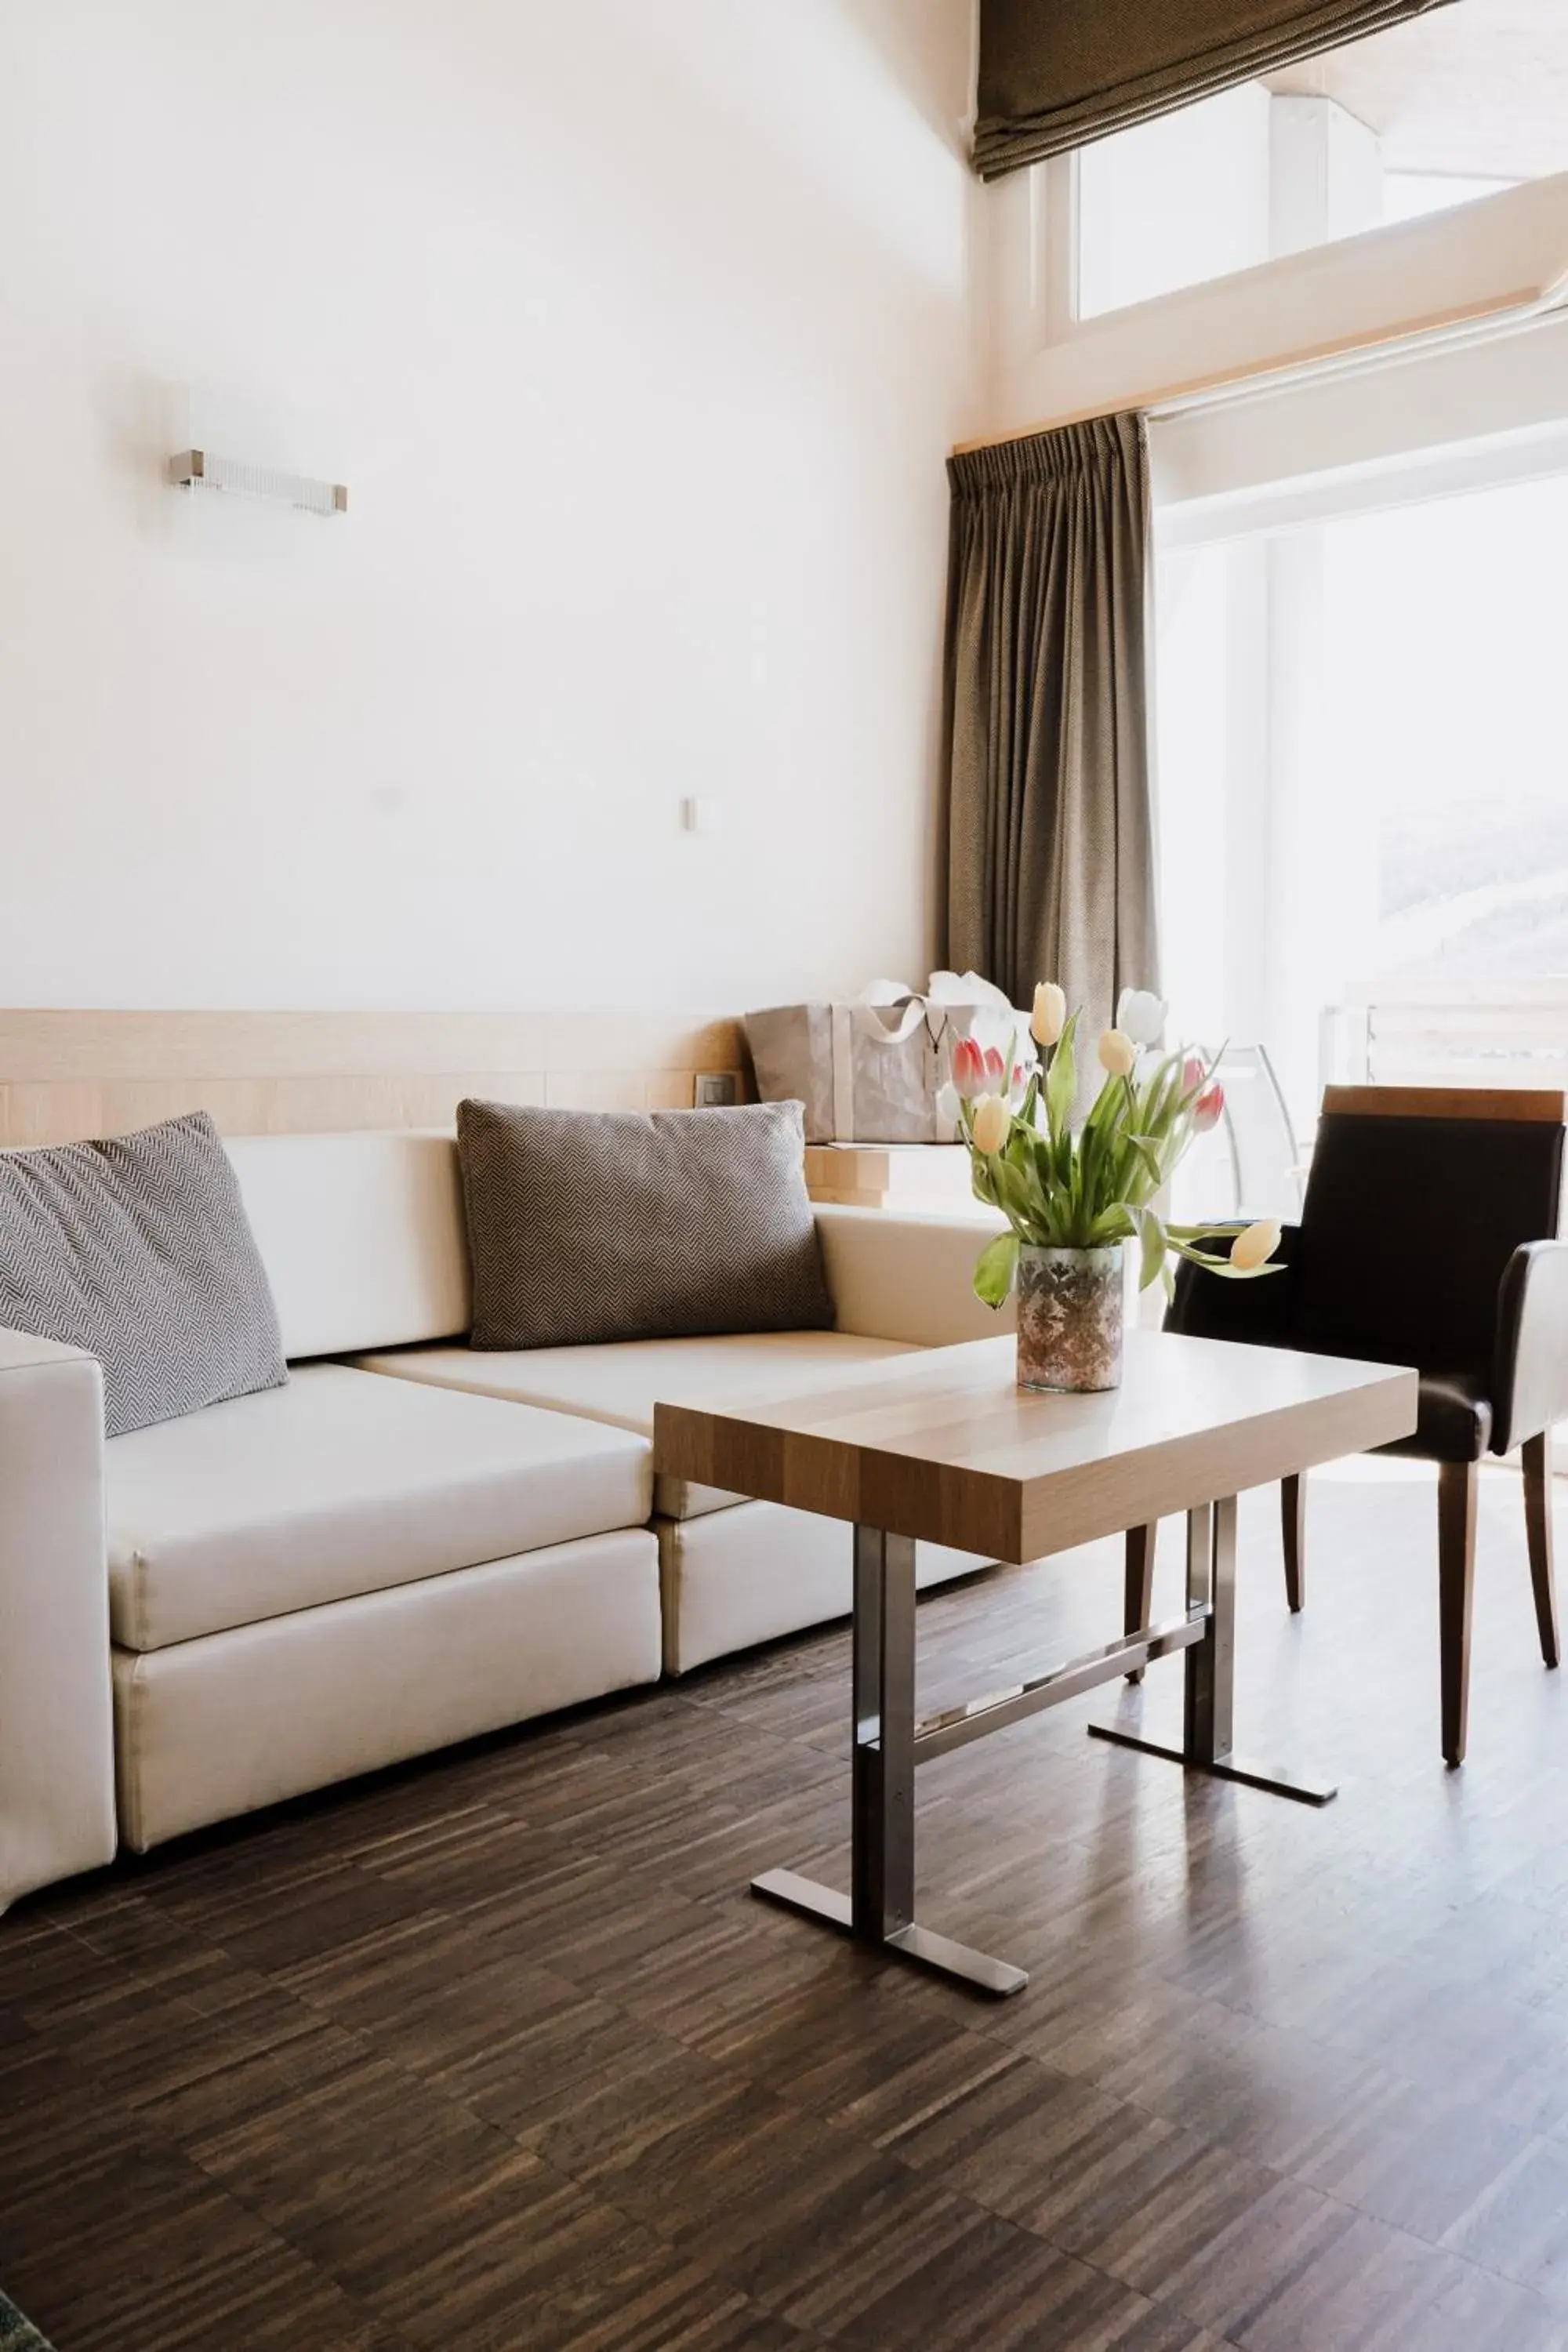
[1427,1237]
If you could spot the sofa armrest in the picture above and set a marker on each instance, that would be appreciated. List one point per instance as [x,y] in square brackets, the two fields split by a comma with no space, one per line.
[905,1277]
[1530,1377]
[57,1750]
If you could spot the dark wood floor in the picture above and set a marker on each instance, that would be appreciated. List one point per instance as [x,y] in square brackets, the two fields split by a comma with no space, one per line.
[496,2054]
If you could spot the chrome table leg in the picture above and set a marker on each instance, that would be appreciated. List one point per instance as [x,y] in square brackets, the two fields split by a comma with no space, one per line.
[1207,1732]
[879,1911]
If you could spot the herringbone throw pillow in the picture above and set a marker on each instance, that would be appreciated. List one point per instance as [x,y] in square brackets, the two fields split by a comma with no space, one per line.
[587,1225]
[139,1250]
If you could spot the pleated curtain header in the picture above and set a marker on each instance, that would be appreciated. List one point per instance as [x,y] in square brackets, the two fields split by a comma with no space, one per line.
[1098,446]
[1055,74]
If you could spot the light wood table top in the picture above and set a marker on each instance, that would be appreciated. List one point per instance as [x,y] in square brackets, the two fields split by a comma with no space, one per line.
[942,1445]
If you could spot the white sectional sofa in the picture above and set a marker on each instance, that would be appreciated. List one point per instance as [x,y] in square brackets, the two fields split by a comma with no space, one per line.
[411,1543]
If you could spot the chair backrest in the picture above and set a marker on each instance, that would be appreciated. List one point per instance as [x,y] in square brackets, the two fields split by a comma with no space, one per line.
[1417,1198]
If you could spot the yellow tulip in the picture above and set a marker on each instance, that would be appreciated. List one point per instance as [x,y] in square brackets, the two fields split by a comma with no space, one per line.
[1117,1054]
[1257,1245]
[1049,1017]
[993,1123]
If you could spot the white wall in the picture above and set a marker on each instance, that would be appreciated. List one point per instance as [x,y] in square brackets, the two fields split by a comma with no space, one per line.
[638,334]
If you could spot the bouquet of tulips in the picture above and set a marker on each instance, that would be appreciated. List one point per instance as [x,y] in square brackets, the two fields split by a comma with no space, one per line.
[1091,1186]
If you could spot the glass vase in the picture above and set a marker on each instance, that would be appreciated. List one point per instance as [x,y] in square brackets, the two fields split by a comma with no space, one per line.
[1070,1304]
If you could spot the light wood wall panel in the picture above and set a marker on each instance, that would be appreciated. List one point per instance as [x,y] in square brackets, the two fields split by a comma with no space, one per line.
[67,1074]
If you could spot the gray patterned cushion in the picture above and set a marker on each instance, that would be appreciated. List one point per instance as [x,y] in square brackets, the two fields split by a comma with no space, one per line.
[587,1225]
[139,1251]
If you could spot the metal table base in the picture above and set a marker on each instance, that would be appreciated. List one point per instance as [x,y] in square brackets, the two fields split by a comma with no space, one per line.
[1206,1735]
[879,1909]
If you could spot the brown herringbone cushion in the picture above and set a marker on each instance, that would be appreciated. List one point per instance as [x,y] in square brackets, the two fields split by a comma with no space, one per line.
[587,1225]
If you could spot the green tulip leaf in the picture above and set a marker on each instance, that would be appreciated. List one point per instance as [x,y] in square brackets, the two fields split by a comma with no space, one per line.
[993,1274]
[1151,1235]
[1061,1079]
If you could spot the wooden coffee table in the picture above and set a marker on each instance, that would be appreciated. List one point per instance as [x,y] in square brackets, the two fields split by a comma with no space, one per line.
[942,1447]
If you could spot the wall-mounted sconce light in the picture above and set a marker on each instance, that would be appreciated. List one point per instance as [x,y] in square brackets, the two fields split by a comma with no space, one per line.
[198,470]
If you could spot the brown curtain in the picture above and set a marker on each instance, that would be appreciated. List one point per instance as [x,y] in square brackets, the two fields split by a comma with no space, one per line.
[1050,856]
[1055,74]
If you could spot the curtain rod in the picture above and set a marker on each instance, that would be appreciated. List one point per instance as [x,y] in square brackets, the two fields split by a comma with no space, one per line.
[1235,383]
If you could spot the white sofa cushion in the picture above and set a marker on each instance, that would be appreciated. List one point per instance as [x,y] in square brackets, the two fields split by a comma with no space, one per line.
[361,1236]
[214,1727]
[909,1278]
[620,1381]
[340,1485]
[365,1245]
[738,1577]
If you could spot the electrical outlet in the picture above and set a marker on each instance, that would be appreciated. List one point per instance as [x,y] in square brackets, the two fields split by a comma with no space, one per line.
[715,1088]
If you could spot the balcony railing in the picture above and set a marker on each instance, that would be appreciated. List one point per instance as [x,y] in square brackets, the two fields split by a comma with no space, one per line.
[1453,1037]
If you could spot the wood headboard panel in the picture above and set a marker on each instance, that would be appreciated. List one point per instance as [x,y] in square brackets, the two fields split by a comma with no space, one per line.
[65,1075]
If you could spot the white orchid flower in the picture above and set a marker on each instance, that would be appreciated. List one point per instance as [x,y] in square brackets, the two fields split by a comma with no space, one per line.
[1140,1015]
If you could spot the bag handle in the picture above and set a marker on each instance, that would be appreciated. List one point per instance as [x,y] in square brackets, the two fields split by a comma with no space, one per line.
[888,1012]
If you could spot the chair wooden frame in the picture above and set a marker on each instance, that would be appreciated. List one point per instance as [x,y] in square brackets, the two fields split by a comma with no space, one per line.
[1458,1482]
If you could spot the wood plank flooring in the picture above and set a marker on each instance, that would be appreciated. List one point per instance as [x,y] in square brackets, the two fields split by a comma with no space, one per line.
[495,2054]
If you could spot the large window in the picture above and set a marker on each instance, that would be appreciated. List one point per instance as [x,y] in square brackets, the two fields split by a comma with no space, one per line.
[1444,646]
[1363,767]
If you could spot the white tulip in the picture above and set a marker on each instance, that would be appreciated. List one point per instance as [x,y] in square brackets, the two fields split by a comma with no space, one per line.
[1049,1017]
[1140,1015]
[993,1124]
[1117,1054]
[947,1105]
[1256,1247]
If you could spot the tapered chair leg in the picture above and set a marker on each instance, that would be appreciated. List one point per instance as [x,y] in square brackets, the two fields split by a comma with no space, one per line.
[1455,1591]
[1293,1524]
[1537,1452]
[1139,1588]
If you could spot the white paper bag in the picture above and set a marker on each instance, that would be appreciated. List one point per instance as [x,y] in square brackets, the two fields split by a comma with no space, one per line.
[869,1071]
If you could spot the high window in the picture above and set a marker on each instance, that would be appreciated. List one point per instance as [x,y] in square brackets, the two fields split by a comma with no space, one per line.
[1449,109]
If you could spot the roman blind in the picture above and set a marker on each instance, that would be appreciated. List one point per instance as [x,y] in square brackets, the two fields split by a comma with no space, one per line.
[1055,74]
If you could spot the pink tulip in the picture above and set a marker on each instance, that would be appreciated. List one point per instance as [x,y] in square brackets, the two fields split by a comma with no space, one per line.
[968,1069]
[1191,1074]
[1209,1107]
[995,1068]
